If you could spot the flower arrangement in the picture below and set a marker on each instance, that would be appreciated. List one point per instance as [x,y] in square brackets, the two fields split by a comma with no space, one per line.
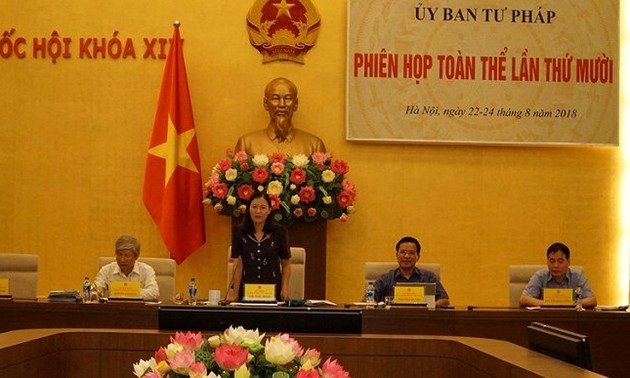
[237,353]
[300,187]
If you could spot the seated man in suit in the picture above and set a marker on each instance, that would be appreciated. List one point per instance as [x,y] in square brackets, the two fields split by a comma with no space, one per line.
[407,254]
[557,275]
[126,268]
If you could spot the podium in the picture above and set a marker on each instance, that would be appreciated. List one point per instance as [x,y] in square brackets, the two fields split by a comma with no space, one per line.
[312,237]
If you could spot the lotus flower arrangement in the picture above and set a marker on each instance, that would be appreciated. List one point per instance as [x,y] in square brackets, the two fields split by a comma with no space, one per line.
[237,353]
[300,187]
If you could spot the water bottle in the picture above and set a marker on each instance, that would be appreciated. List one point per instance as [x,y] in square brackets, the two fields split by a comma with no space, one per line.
[578,299]
[192,291]
[85,294]
[369,294]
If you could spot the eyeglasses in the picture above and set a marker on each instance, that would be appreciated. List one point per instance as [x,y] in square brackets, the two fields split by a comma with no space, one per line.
[407,253]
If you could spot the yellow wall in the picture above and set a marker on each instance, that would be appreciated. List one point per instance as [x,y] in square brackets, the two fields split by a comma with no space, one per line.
[74,136]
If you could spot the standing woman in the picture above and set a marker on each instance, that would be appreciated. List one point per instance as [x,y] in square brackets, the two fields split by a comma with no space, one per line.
[259,248]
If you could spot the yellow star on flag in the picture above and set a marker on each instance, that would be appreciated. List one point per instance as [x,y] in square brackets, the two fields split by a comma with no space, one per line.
[175,150]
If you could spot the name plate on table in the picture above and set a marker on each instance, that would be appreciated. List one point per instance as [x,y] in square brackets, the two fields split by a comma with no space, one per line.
[408,294]
[124,290]
[260,292]
[558,297]
[4,287]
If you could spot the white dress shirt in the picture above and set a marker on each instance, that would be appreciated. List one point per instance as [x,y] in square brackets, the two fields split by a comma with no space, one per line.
[141,272]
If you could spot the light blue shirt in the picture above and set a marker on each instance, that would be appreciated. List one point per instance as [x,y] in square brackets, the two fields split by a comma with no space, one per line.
[542,279]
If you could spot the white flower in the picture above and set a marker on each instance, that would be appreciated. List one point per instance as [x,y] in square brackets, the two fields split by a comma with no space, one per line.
[275,188]
[295,199]
[279,352]
[327,176]
[239,335]
[231,174]
[173,348]
[231,200]
[260,160]
[143,366]
[300,160]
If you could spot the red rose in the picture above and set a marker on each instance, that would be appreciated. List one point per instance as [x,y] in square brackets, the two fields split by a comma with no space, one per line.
[307,194]
[260,175]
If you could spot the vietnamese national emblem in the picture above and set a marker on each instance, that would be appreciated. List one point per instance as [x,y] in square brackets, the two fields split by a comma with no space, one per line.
[283,29]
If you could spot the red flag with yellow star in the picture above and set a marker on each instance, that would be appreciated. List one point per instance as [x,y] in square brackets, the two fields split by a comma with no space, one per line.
[172,190]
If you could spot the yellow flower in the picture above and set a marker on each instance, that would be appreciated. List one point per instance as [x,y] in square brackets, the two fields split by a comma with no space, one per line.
[241,372]
[260,160]
[231,174]
[328,175]
[214,341]
[327,200]
[275,188]
[162,367]
[295,199]
[300,160]
[231,200]
[279,352]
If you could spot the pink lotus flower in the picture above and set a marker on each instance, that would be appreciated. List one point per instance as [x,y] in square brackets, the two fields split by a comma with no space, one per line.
[230,357]
[275,202]
[260,175]
[224,164]
[307,374]
[278,157]
[189,340]
[198,369]
[160,355]
[307,194]
[345,198]
[332,369]
[240,156]
[298,176]
[245,192]
[340,167]
[297,349]
[219,190]
[310,357]
[153,374]
[277,168]
[181,361]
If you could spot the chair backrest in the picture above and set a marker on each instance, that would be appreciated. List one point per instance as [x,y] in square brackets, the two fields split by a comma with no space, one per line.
[165,270]
[373,270]
[519,276]
[22,270]
[298,271]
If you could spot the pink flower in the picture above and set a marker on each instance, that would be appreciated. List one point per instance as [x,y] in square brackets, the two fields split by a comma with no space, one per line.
[277,168]
[278,157]
[275,202]
[189,340]
[244,166]
[224,164]
[298,212]
[297,349]
[245,191]
[311,356]
[332,369]
[198,369]
[181,361]
[307,194]
[242,209]
[260,175]
[240,156]
[298,176]
[307,374]
[219,190]
[160,355]
[346,184]
[153,374]
[319,158]
[311,211]
[340,167]
[345,198]
[230,357]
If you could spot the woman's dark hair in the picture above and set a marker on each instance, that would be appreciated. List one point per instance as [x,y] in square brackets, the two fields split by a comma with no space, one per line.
[247,225]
